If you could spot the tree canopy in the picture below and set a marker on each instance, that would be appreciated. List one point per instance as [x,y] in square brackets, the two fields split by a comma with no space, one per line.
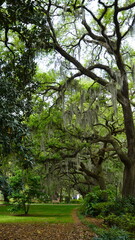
[87,44]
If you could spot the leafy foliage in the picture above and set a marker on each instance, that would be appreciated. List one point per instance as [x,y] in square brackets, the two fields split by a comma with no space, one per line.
[111,234]
[117,212]
[24,187]
[126,221]
[4,187]
[122,213]
[92,200]
[121,206]
[90,50]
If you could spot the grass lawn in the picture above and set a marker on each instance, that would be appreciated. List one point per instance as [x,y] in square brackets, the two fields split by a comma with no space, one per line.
[40,213]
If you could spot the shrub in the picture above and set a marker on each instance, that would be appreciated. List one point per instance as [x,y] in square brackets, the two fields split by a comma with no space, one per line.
[120,207]
[112,234]
[101,208]
[119,213]
[21,202]
[94,202]
[126,222]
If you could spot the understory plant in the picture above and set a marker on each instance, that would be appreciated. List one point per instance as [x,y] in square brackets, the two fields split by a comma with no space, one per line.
[112,234]
[20,202]
[118,212]
[96,197]
[125,221]
[24,188]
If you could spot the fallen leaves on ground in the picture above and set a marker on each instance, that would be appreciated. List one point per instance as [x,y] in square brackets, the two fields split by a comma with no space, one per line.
[44,231]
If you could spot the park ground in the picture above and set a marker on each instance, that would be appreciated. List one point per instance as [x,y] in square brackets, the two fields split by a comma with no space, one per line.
[74,230]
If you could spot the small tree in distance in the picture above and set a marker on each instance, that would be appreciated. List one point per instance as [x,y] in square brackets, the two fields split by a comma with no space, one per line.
[24,188]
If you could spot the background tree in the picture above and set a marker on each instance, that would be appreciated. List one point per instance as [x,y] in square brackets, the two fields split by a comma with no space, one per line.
[17,68]
[64,139]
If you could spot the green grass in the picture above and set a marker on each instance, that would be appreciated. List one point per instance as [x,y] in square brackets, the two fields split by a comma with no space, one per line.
[40,213]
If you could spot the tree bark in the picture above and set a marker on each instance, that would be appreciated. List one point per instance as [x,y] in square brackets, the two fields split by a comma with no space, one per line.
[129,181]
[129,171]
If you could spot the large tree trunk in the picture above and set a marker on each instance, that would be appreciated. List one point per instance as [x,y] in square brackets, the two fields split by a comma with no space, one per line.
[129,163]
[129,181]
[129,170]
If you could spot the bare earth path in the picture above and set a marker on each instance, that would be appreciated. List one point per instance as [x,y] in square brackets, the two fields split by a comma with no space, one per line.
[45,231]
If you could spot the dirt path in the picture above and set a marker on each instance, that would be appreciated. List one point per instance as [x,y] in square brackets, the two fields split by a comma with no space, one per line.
[45,231]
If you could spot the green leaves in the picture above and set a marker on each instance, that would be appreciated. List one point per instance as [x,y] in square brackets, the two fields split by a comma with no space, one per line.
[24,187]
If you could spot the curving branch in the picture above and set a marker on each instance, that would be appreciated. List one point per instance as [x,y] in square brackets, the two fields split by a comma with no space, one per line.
[91,34]
[79,66]
[6,41]
[104,67]
[130,6]
[117,25]
[88,172]
[129,28]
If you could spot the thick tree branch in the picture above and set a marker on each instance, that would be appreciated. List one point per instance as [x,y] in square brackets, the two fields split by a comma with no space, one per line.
[91,34]
[104,67]
[117,26]
[79,66]
[117,147]
[126,7]
[88,172]
[110,139]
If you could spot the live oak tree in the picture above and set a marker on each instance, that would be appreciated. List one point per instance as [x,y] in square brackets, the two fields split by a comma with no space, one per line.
[91,41]
[63,139]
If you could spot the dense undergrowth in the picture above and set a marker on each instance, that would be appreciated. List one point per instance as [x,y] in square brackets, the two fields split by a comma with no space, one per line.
[118,214]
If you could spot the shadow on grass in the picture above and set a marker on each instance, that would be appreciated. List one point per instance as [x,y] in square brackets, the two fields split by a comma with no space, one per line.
[39,215]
